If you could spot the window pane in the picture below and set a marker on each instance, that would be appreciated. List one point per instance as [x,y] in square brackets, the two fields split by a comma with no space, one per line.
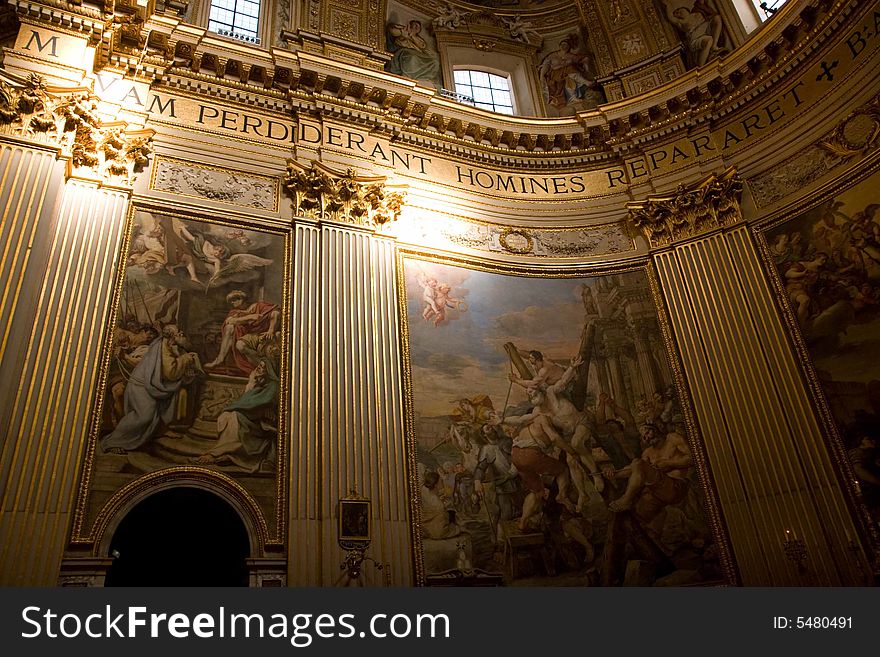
[238,17]
[480,78]
[487,90]
[501,97]
[482,95]
[497,82]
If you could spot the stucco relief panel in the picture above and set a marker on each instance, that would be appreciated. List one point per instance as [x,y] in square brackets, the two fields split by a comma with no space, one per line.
[215,184]
[456,234]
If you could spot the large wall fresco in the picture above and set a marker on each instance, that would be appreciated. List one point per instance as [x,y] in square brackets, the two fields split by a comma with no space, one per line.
[551,446]
[194,376]
[829,261]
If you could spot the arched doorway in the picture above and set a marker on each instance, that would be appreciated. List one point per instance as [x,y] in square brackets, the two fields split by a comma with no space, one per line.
[180,537]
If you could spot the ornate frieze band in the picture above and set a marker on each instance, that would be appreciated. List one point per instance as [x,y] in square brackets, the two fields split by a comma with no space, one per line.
[855,136]
[690,211]
[321,193]
[453,234]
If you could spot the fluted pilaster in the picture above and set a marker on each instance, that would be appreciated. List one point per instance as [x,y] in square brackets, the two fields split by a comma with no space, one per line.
[49,416]
[349,428]
[765,448]
[29,185]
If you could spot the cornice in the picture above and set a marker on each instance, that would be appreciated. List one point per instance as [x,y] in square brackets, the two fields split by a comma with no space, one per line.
[176,55]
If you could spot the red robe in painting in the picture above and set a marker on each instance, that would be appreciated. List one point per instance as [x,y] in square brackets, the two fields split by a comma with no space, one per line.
[253,327]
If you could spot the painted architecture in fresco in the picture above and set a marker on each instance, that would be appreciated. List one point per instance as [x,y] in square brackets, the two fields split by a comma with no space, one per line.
[194,369]
[829,261]
[551,445]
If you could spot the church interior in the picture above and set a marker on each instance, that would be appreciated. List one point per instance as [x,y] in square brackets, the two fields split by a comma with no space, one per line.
[255,331]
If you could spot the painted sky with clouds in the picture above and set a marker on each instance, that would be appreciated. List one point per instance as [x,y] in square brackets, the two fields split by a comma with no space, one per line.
[464,356]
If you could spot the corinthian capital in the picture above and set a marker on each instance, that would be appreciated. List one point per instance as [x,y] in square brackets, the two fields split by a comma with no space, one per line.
[320,193]
[69,120]
[690,211]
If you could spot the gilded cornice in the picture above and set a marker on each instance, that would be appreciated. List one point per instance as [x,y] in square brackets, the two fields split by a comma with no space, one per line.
[187,57]
[691,211]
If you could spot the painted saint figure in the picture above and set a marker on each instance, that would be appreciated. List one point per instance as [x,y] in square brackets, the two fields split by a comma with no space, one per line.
[701,27]
[246,431]
[151,391]
[567,80]
[412,57]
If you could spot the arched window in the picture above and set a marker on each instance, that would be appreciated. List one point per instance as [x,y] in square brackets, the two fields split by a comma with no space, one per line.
[239,19]
[485,90]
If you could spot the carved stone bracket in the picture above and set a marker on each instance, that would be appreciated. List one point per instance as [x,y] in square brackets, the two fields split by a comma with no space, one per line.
[68,119]
[691,211]
[320,193]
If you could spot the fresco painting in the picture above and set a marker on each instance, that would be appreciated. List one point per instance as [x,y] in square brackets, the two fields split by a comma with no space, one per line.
[551,446]
[568,77]
[194,372]
[828,259]
[412,46]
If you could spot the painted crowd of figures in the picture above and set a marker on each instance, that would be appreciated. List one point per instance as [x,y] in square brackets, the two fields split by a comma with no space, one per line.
[829,262]
[592,482]
[195,356]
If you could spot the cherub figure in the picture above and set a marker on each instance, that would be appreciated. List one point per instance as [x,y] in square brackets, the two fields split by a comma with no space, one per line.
[520,30]
[437,299]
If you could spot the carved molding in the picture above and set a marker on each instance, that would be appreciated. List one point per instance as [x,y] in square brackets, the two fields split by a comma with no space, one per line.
[68,119]
[855,136]
[691,211]
[320,193]
[215,184]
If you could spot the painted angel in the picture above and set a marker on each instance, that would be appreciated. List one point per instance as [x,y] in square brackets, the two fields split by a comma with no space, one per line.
[237,263]
[436,298]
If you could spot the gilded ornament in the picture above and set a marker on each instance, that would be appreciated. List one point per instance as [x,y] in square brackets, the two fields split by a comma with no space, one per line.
[321,193]
[691,211]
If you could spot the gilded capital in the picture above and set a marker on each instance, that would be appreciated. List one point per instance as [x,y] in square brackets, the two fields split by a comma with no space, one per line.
[69,119]
[320,193]
[690,211]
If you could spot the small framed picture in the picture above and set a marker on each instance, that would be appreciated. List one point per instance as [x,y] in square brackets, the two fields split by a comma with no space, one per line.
[355,521]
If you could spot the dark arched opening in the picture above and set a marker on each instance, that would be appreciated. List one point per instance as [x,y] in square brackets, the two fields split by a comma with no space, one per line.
[180,537]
